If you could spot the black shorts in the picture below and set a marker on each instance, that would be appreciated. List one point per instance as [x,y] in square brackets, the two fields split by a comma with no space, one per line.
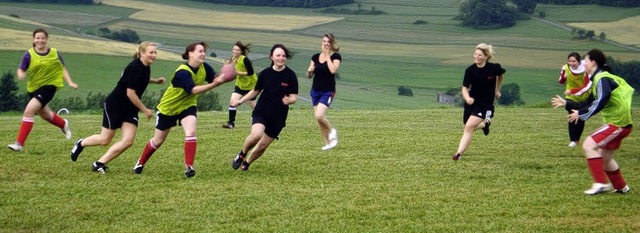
[242,92]
[113,117]
[44,94]
[272,127]
[165,122]
[483,112]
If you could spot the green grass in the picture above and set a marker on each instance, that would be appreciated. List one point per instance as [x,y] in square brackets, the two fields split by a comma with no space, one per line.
[391,172]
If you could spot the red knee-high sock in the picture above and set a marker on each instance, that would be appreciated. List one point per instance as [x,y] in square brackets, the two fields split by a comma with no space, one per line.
[616,179]
[596,168]
[57,120]
[190,144]
[148,151]
[25,129]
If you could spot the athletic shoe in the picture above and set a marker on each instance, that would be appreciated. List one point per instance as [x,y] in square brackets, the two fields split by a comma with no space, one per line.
[235,164]
[598,188]
[15,147]
[624,190]
[99,167]
[137,169]
[329,146]
[573,144]
[65,130]
[76,150]
[333,134]
[189,172]
[485,130]
[456,157]
[244,166]
[228,126]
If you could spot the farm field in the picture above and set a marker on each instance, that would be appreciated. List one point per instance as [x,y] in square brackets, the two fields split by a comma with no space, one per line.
[381,52]
[391,172]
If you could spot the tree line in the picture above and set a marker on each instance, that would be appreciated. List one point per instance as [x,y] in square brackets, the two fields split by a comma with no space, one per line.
[53,1]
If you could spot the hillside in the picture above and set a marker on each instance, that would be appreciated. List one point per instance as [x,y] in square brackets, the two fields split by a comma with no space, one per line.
[381,53]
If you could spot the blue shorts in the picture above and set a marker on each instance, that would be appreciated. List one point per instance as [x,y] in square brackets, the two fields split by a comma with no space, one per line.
[322,97]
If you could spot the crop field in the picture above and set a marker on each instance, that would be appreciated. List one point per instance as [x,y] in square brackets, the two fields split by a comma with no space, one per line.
[160,13]
[391,172]
[624,31]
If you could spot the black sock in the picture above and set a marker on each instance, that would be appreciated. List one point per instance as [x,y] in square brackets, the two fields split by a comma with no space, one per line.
[232,114]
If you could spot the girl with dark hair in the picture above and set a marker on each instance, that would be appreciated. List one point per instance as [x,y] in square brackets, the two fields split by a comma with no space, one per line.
[246,80]
[612,96]
[47,71]
[279,87]
[120,109]
[178,105]
[577,91]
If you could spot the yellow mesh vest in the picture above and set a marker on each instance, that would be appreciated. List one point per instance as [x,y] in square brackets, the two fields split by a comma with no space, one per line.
[575,81]
[44,70]
[175,99]
[245,83]
[618,110]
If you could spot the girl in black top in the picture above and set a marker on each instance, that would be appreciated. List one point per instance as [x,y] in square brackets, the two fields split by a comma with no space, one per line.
[480,87]
[120,109]
[279,87]
[323,68]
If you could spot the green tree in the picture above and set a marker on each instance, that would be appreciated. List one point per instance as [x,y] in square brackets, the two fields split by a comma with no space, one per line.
[510,94]
[9,99]
[526,6]
[487,14]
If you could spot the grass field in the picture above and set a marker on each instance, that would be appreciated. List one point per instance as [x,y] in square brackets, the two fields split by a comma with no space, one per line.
[391,172]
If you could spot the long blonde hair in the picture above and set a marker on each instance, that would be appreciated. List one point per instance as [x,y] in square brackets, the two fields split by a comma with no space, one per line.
[487,49]
[142,47]
[332,41]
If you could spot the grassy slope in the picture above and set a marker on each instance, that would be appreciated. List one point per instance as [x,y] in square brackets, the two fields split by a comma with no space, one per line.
[369,76]
[390,173]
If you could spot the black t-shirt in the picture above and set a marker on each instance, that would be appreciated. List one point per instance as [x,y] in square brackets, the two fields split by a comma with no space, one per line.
[482,82]
[274,86]
[135,76]
[323,79]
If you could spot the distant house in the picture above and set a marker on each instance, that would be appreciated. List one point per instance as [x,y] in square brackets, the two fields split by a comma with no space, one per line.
[444,98]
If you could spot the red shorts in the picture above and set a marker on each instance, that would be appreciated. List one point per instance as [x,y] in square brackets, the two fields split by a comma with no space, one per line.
[610,136]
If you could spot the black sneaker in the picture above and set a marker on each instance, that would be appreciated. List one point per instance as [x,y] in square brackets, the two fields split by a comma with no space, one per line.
[228,126]
[244,166]
[76,150]
[189,172]
[485,130]
[456,157]
[99,167]
[235,164]
[138,168]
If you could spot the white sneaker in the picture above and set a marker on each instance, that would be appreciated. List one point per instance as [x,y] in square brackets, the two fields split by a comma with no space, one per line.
[330,145]
[333,134]
[573,144]
[624,190]
[65,130]
[15,146]
[598,188]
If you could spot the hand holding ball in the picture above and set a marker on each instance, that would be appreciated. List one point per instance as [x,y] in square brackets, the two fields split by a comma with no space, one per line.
[228,73]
